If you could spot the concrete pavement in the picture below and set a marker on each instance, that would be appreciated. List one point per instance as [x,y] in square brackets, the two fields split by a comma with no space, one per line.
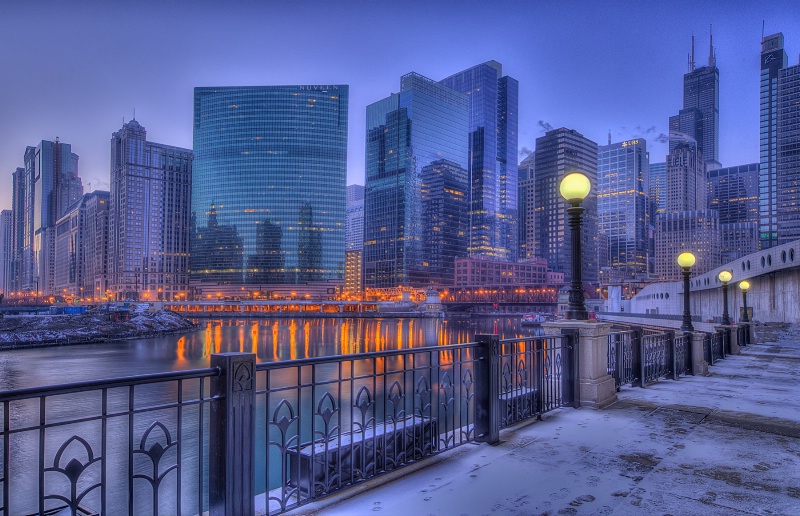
[725,444]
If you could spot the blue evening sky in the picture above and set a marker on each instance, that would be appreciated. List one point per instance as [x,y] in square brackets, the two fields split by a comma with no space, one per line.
[75,69]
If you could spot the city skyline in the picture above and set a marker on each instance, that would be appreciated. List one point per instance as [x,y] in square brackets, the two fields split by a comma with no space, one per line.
[95,85]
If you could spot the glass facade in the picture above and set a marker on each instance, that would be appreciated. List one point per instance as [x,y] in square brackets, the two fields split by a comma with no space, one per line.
[788,164]
[733,193]
[268,192]
[493,100]
[406,132]
[658,188]
[622,205]
[773,59]
[558,153]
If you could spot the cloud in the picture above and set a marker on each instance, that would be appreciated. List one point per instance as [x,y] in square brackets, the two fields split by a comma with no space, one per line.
[525,151]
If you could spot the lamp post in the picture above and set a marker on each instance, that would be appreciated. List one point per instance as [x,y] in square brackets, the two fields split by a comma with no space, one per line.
[725,277]
[745,286]
[574,188]
[686,260]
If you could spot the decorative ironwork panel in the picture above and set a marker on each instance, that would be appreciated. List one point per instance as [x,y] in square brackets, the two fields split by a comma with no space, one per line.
[106,447]
[681,343]
[620,357]
[716,339]
[655,356]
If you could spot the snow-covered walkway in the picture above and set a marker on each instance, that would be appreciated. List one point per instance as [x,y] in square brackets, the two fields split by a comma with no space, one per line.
[725,444]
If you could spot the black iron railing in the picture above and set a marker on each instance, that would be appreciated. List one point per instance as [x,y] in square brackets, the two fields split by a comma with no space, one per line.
[621,346]
[333,422]
[683,358]
[135,445]
[656,356]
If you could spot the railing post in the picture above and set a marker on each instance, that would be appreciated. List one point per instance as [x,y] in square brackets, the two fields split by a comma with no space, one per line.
[487,388]
[619,367]
[639,356]
[231,449]
[570,349]
[673,358]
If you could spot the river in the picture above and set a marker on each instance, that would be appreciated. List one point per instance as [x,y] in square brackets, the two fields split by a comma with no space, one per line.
[270,339]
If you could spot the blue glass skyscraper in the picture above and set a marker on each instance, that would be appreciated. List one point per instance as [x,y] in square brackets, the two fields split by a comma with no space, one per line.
[493,100]
[268,192]
[425,125]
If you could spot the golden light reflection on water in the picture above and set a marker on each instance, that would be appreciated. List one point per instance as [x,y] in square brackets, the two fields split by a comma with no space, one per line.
[324,337]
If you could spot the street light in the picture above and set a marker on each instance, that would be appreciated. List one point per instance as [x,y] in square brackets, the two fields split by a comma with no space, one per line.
[574,188]
[686,260]
[745,286]
[725,277]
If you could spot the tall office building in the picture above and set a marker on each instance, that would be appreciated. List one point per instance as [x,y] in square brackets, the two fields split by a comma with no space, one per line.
[268,198]
[48,181]
[788,163]
[699,118]
[445,210]
[354,221]
[658,188]
[687,224]
[733,193]
[95,243]
[149,205]
[406,132]
[773,60]
[622,205]
[6,255]
[526,204]
[558,153]
[492,100]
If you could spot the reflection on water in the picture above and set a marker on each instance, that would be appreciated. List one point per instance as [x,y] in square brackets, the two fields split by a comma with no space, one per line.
[271,340]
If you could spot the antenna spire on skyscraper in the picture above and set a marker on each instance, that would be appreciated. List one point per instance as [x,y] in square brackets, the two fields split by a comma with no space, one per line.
[712,58]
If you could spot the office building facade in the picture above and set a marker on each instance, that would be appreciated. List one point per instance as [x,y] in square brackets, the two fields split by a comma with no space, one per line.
[733,194]
[6,241]
[526,205]
[272,162]
[658,188]
[558,153]
[788,162]
[773,60]
[352,272]
[149,217]
[354,223]
[41,193]
[622,205]
[406,132]
[493,101]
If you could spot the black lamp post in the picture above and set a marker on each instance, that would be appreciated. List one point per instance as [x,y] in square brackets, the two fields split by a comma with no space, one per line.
[686,260]
[745,286]
[574,188]
[725,277]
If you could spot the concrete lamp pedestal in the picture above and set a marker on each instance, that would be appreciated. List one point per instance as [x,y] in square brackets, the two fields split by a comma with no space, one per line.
[699,364]
[596,386]
[734,348]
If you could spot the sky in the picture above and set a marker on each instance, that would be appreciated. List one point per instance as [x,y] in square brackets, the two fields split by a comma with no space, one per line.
[75,70]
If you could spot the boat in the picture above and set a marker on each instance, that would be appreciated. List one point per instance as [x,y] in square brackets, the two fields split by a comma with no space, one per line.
[533,319]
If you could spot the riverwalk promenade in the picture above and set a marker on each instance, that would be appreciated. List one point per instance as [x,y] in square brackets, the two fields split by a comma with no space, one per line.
[724,444]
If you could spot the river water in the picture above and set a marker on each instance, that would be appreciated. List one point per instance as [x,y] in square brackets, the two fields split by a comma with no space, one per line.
[270,339]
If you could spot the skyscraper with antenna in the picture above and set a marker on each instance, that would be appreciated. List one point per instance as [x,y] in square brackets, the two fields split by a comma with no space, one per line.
[699,118]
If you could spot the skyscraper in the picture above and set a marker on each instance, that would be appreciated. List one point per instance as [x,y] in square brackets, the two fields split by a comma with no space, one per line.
[622,205]
[699,118]
[406,132]
[269,184]
[686,224]
[492,100]
[526,191]
[41,190]
[148,248]
[558,153]
[773,60]
[5,251]
[733,194]
[788,163]
[354,223]
[658,188]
